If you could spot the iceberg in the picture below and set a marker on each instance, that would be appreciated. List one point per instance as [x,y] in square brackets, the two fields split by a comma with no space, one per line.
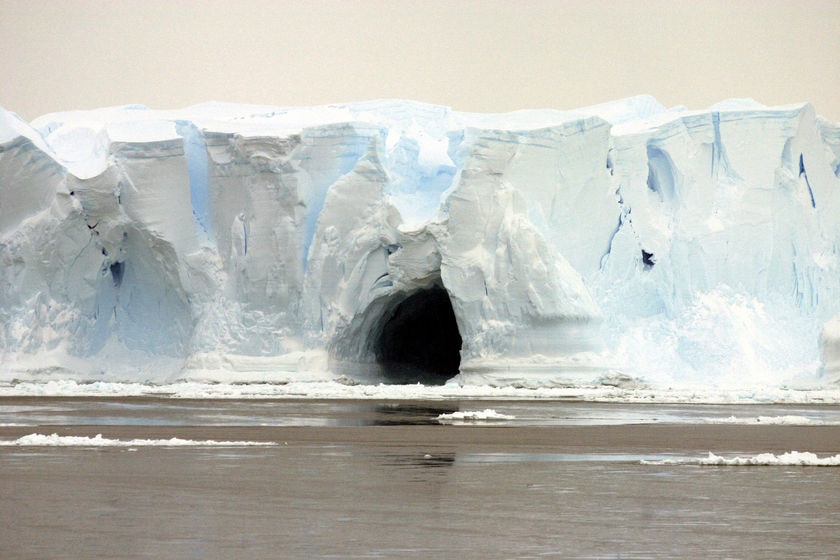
[401,242]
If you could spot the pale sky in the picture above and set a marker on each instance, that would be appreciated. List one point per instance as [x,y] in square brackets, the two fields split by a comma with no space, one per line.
[486,56]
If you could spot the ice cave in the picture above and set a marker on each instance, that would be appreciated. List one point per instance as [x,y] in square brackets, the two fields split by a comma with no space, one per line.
[417,340]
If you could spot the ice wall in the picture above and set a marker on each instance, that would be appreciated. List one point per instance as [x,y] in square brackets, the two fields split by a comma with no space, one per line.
[537,247]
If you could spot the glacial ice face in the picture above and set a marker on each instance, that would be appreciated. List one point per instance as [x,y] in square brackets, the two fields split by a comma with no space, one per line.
[399,241]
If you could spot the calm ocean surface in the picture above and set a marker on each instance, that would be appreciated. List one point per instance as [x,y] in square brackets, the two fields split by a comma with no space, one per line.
[387,480]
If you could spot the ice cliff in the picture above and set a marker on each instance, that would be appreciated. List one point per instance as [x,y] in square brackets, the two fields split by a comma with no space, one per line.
[399,241]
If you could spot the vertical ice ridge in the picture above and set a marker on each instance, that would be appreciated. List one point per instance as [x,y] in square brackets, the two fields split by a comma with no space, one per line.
[720,163]
[661,173]
[195,150]
[327,153]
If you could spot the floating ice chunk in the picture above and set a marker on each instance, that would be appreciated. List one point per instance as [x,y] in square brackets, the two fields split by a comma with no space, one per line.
[791,458]
[466,416]
[55,440]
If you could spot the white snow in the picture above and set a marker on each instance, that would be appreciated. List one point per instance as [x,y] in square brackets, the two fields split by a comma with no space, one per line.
[55,440]
[791,458]
[470,416]
[614,249]
[346,388]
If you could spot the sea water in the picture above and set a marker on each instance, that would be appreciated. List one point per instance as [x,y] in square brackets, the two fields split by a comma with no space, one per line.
[162,477]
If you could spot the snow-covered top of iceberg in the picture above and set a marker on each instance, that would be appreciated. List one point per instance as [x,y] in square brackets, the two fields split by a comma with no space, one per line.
[13,127]
[68,134]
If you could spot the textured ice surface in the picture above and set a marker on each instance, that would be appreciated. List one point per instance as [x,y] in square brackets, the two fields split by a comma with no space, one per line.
[472,416]
[791,458]
[55,440]
[341,389]
[615,245]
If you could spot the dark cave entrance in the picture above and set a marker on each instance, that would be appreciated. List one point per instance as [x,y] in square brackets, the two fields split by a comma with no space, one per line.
[420,342]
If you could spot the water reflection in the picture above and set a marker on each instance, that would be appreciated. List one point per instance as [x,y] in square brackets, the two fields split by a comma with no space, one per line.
[419,461]
[148,411]
[163,412]
[631,458]
[413,414]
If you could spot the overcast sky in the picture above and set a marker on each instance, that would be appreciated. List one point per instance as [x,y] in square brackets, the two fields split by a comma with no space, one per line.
[486,56]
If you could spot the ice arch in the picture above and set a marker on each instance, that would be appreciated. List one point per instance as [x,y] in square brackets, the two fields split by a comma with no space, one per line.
[408,336]
[418,339]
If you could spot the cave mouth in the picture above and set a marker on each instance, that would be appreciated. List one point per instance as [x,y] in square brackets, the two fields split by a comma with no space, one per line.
[419,341]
